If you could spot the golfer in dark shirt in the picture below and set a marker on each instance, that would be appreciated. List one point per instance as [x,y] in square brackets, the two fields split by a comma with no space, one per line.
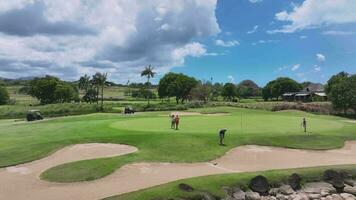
[222,136]
[304,124]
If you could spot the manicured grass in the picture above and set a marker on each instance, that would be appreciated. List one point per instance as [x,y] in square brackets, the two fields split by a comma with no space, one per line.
[214,183]
[150,132]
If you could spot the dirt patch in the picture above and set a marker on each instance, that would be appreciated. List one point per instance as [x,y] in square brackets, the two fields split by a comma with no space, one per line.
[21,182]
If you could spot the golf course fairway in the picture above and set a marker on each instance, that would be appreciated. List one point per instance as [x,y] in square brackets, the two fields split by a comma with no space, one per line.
[195,141]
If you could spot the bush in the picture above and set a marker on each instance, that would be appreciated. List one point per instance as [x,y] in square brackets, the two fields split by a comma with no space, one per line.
[4,96]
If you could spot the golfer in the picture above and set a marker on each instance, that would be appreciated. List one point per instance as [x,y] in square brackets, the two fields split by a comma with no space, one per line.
[173,121]
[304,124]
[222,136]
[177,121]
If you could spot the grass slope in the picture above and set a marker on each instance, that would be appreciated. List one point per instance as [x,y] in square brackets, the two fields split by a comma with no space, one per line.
[196,141]
[215,183]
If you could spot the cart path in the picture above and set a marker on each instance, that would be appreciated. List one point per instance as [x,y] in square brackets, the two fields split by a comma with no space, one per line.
[22,182]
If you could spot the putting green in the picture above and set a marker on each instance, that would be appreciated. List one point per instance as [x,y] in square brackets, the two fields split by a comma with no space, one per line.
[247,123]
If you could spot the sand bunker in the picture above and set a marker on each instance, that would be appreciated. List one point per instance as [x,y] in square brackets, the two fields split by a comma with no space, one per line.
[21,182]
[350,121]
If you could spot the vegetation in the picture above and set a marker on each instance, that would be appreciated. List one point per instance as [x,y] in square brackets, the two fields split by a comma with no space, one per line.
[248,89]
[52,90]
[275,88]
[4,96]
[176,85]
[149,73]
[201,92]
[215,183]
[341,90]
[229,92]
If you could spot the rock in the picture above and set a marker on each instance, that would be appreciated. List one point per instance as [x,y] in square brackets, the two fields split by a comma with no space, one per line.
[286,190]
[238,194]
[259,184]
[318,188]
[250,195]
[350,182]
[294,181]
[273,191]
[336,197]
[299,196]
[185,187]
[347,196]
[350,190]
[314,196]
[206,196]
[281,197]
[268,198]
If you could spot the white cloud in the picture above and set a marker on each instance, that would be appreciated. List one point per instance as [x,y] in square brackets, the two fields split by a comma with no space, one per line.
[230,43]
[303,37]
[320,57]
[295,67]
[263,42]
[317,68]
[341,33]
[231,79]
[255,1]
[68,38]
[254,29]
[316,13]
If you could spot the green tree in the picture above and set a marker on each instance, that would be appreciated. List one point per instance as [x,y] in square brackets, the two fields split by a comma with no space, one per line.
[342,91]
[65,93]
[276,88]
[99,80]
[90,96]
[4,96]
[176,85]
[217,90]
[84,83]
[229,91]
[201,91]
[149,73]
[335,79]
[50,89]
[247,89]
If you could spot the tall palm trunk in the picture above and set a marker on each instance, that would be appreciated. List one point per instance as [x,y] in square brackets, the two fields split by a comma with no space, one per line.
[102,98]
[148,93]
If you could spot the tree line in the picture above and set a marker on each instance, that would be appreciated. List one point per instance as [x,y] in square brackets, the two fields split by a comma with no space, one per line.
[340,89]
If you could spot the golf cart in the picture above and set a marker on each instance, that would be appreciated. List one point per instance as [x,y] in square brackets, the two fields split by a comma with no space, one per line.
[129,110]
[33,115]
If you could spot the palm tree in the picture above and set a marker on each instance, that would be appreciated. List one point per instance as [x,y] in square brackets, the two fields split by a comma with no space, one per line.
[99,80]
[149,73]
[84,83]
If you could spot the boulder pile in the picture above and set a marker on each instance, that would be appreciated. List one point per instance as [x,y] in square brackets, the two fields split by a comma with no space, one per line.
[334,185]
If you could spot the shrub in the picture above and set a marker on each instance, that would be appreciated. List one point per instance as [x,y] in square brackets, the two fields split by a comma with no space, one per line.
[4,96]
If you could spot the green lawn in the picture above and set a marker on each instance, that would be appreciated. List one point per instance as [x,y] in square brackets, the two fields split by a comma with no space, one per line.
[150,132]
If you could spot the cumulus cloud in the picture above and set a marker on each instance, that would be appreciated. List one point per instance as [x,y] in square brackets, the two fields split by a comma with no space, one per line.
[254,29]
[231,79]
[340,33]
[230,43]
[255,1]
[316,13]
[69,38]
[317,68]
[320,57]
[295,67]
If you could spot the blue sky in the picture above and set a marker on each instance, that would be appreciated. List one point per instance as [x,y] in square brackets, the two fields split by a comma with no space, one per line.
[229,40]
[262,57]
